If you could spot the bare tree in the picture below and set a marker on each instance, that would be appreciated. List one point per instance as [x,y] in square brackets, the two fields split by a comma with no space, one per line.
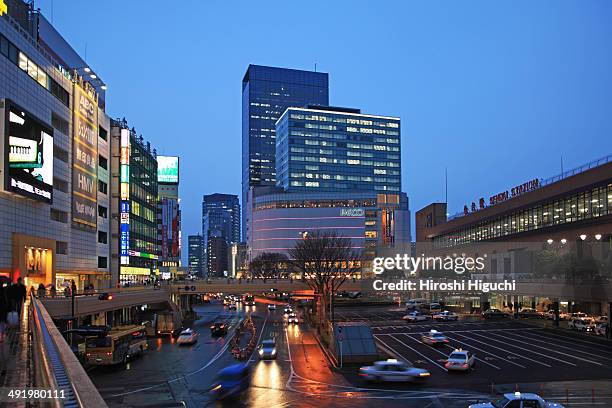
[325,261]
[269,265]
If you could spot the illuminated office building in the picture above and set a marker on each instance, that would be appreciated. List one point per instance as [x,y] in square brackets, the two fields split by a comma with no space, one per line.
[266,93]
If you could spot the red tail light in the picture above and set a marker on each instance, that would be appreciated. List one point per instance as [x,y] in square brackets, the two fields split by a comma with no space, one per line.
[465,365]
[109,354]
[448,364]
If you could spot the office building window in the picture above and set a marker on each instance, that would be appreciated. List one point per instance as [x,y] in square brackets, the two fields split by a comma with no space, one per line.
[102,237]
[102,187]
[103,133]
[103,162]
[102,262]
[61,247]
[59,216]
[102,211]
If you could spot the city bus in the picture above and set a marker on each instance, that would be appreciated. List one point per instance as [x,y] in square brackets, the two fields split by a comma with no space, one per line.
[116,345]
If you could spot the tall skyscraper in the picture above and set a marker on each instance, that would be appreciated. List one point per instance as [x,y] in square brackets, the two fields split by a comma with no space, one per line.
[337,149]
[220,220]
[266,93]
[195,254]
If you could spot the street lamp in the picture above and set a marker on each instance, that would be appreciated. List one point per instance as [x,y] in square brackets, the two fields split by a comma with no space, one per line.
[598,236]
[583,237]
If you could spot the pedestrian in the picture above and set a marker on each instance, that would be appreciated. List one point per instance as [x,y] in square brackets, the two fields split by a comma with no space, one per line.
[3,310]
[41,290]
[21,293]
[10,292]
[73,287]
[67,291]
[53,291]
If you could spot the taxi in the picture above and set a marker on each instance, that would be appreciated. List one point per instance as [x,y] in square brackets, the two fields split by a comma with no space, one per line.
[393,370]
[518,399]
[434,338]
[460,360]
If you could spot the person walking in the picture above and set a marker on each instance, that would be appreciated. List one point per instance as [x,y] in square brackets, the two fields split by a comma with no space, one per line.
[41,290]
[21,292]
[73,288]
[3,310]
[53,291]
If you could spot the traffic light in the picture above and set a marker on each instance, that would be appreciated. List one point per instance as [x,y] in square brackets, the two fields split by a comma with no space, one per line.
[105,296]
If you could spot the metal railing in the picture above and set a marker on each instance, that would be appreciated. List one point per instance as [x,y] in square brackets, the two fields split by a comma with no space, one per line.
[55,365]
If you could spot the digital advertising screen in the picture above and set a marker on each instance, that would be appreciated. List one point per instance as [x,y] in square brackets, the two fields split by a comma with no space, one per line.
[167,169]
[28,154]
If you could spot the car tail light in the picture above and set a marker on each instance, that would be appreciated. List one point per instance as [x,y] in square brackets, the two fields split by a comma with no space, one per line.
[109,354]
[448,364]
[464,365]
[446,341]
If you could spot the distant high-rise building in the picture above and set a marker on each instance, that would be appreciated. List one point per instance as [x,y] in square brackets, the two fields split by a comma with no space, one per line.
[266,93]
[221,220]
[337,149]
[216,257]
[195,253]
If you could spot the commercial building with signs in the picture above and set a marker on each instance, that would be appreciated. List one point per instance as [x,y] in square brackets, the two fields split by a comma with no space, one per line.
[375,223]
[195,254]
[556,232]
[169,215]
[221,221]
[337,149]
[266,93]
[54,152]
[134,205]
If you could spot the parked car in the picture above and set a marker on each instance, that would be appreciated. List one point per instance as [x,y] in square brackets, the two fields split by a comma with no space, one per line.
[581,324]
[600,329]
[495,314]
[460,360]
[446,316]
[415,303]
[516,400]
[218,329]
[393,370]
[187,336]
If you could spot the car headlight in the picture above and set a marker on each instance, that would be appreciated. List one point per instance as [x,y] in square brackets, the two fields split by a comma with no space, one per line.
[424,375]
[274,352]
[261,352]
[216,388]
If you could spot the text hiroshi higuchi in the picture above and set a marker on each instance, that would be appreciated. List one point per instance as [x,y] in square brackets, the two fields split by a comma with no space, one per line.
[451,286]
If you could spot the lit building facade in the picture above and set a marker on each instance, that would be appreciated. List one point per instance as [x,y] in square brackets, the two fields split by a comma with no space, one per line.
[169,214]
[337,149]
[373,222]
[134,205]
[266,93]
[54,155]
[220,220]
[195,254]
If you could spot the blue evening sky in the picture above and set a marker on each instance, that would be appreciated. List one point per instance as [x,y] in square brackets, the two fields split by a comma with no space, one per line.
[497,91]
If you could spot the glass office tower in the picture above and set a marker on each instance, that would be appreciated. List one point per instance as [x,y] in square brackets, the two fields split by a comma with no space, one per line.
[337,149]
[266,93]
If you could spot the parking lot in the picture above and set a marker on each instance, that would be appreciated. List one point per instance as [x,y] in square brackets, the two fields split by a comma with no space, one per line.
[507,351]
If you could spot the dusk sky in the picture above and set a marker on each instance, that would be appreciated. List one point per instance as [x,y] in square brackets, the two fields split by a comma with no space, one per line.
[495,91]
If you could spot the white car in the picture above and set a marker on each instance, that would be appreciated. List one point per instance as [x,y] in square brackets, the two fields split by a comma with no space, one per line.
[393,370]
[446,316]
[600,329]
[272,306]
[415,316]
[434,338]
[460,360]
[579,323]
[518,399]
[292,318]
[187,336]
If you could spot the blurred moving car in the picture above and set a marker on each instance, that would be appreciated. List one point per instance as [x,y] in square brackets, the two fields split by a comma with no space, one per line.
[267,349]
[288,310]
[495,314]
[218,329]
[517,400]
[292,318]
[581,324]
[393,370]
[231,382]
[528,313]
[272,306]
[446,316]
[415,316]
[460,360]
[434,337]
[187,336]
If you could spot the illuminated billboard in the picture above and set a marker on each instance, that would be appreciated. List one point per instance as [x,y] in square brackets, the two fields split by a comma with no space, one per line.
[124,239]
[28,154]
[85,158]
[167,169]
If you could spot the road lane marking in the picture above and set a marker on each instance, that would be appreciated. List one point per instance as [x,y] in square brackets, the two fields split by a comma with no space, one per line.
[416,351]
[505,351]
[567,340]
[554,351]
[484,351]
[528,350]
[446,355]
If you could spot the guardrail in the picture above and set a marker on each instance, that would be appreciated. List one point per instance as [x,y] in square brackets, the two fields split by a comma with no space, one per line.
[56,367]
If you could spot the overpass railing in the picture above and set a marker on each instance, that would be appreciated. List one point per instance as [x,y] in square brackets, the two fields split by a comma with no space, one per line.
[56,367]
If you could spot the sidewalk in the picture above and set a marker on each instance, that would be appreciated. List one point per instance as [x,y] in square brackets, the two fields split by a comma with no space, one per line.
[14,355]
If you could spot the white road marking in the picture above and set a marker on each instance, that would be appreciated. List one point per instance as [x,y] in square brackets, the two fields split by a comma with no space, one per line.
[416,351]
[484,351]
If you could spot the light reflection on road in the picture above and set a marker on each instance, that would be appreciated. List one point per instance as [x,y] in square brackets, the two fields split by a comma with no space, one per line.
[266,382]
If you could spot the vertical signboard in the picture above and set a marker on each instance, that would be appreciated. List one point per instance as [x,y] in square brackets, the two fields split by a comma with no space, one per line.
[165,215]
[124,231]
[85,158]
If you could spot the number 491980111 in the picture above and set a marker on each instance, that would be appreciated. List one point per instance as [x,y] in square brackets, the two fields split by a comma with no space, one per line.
[33,393]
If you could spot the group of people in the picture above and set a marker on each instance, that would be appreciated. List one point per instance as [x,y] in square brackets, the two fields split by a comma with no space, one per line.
[41,291]
[12,296]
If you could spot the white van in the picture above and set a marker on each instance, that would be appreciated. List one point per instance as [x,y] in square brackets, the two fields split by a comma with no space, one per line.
[413,304]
